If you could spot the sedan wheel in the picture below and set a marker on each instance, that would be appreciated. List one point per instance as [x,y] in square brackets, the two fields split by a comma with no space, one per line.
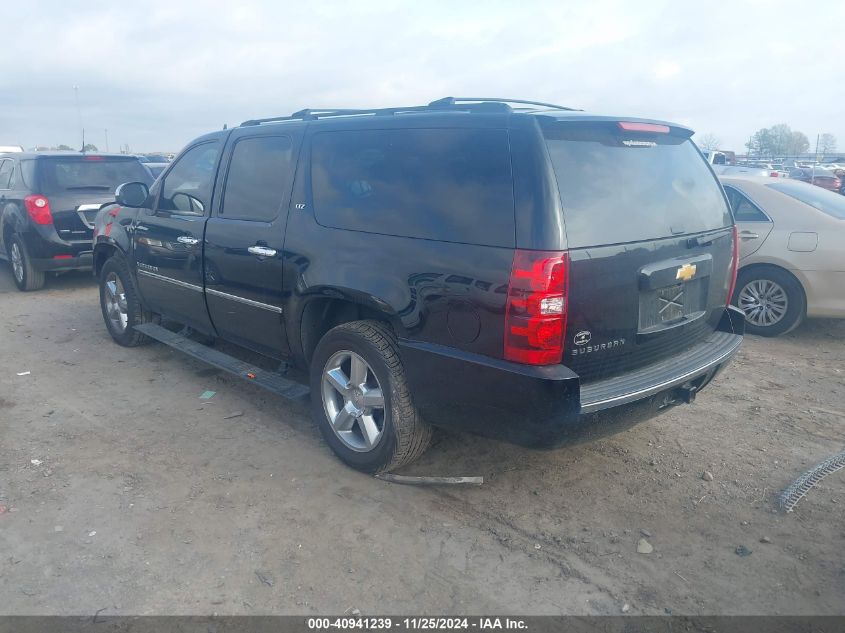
[17,262]
[764,302]
[772,299]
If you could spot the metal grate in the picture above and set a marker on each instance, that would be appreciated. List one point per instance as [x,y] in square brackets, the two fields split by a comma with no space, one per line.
[801,486]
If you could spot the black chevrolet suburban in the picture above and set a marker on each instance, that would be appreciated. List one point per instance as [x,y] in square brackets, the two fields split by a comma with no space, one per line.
[48,201]
[510,268]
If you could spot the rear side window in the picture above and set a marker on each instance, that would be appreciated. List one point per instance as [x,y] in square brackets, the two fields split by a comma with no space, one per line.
[7,168]
[744,210]
[451,185]
[89,173]
[28,173]
[618,186]
[259,177]
[832,204]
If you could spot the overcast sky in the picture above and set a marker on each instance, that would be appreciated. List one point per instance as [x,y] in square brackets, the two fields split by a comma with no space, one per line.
[158,73]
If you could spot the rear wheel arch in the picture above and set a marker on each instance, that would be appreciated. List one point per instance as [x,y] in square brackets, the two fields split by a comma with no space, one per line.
[321,314]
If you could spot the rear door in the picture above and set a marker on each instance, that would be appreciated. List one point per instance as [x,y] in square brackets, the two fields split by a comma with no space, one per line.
[167,238]
[77,185]
[753,224]
[245,237]
[649,233]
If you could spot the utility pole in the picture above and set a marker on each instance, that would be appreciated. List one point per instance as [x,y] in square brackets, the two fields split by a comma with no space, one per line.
[78,112]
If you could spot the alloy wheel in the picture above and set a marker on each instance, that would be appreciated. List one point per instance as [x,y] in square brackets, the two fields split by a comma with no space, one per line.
[115,300]
[17,261]
[764,302]
[353,401]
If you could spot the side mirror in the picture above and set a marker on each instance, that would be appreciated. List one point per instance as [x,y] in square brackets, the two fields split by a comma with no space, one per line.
[131,194]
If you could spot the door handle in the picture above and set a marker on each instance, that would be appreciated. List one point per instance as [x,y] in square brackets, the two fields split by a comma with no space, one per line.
[748,235]
[262,251]
[187,239]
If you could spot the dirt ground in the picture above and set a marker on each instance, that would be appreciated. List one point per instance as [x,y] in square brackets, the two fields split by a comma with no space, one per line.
[145,499]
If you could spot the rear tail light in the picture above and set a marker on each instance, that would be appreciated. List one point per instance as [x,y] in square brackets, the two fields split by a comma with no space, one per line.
[774,174]
[535,315]
[734,267]
[38,208]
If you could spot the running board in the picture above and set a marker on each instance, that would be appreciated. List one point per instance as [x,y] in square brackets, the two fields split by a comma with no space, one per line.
[269,380]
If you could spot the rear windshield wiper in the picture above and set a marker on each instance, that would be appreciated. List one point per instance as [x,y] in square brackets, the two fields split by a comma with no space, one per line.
[99,187]
[705,240]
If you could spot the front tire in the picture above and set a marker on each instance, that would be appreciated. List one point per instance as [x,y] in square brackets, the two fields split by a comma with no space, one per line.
[772,300]
[26,277]
[120,304]
[361,401]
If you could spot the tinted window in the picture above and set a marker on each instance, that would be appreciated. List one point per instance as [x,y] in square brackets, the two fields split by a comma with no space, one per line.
[441,184]
[7,167]
[259,177]
[825,201]
[744,210]
[28,173]
[187,186]
[93,173]
[620,186]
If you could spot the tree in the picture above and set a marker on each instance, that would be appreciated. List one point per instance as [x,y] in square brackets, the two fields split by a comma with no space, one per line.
[89,147]
[781,139]
[798,144]
[827,143]
[778,140]
[709,141]
[760,143]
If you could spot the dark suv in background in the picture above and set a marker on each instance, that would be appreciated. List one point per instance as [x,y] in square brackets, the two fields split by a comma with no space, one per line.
[47,206]
[529,273]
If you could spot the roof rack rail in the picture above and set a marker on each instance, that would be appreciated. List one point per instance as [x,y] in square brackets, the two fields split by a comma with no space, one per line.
[450,101]
[309,114]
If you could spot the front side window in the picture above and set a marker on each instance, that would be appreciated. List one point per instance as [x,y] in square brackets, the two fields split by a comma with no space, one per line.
[259,178]
[441,184]
[187,186]
[744,210]
[7,167]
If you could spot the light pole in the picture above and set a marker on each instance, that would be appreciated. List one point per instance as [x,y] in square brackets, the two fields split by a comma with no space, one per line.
[78,112]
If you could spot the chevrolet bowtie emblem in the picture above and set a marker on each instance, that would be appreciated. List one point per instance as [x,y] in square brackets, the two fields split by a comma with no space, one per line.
[685,272]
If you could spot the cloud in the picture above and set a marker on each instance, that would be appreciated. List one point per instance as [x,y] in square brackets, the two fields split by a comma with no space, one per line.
[160,72]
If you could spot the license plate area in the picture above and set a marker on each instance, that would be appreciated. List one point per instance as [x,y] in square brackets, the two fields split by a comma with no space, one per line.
[670,306]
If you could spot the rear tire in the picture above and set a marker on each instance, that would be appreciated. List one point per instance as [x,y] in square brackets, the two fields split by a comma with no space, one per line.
[26,277]
[771,298]
[120,304]
[365,412]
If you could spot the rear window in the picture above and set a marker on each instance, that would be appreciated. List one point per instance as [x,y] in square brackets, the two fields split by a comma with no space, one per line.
[832,204]
[89,173]
[618,186]
[439,184]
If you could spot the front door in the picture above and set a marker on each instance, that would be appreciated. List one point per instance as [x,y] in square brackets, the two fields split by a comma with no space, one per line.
[245,239]
[168,238]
